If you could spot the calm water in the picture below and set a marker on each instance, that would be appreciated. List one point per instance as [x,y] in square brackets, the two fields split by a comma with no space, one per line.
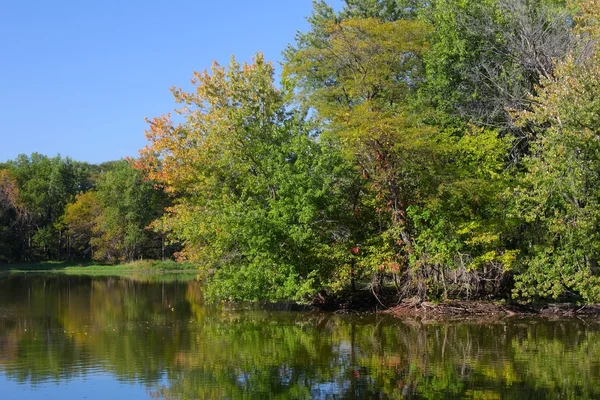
[98,338]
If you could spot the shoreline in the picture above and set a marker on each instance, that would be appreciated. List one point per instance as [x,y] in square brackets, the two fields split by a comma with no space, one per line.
[477,309]
[365,302]
[357,302]
[458,310]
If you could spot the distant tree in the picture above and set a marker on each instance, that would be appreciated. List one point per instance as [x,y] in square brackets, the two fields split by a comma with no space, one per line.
[80,220]
[127,205]
[12,215]
[46,185]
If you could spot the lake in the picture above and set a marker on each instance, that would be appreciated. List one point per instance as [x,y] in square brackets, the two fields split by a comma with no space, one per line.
[70,337]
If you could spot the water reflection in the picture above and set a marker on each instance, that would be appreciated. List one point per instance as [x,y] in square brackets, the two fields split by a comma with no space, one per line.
[160,336]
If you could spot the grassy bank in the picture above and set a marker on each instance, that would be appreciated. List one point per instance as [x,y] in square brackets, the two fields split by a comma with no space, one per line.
[75,268]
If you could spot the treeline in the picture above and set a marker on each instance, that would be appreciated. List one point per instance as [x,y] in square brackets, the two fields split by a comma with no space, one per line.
[435,149]
[60,209]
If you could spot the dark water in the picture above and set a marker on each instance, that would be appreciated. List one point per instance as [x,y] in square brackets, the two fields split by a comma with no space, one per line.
[98,338]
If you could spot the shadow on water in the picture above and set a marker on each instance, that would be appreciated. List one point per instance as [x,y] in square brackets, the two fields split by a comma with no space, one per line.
[162,337]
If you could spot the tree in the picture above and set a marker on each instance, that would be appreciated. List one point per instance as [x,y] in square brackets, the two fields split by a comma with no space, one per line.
[361,76]
[12,214]
[46,185]
[463,241]
[559,195]
[255,192]
[81,219]
[385,10]
[488,56]
[427,200]
[127,205]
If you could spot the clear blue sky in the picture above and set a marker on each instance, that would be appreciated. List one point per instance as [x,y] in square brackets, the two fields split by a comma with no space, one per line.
[79,77]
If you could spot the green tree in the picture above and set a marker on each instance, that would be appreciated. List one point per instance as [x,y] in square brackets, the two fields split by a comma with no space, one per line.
[127,205]
[463,241]
[46,185]
[385,10]
[427,201]
[255,190]
[361,77]
[559,195]
[487,57]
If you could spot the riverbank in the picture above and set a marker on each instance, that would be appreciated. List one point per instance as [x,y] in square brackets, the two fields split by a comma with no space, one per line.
[365,302]
[359,301]
[149,267]
[490,310]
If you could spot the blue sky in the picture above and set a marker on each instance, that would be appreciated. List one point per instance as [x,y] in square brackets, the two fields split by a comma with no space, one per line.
[79,77]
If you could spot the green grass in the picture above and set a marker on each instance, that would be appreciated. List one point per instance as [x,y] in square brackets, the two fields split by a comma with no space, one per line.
[146,267]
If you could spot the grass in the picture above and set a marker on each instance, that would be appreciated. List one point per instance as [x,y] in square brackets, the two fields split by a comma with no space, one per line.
[145,267]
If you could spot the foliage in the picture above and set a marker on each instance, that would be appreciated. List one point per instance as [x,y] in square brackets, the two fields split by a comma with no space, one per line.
[11,214]
[110,222]
[254,189]
[558,197]
[80,219]
[359,75]
[129,204]
[45,186]
[60,209]
[418,216]
[462,236]
[385,10]
[487,56]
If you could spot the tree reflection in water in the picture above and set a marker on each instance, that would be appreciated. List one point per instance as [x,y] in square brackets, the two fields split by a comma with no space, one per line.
[161,335]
